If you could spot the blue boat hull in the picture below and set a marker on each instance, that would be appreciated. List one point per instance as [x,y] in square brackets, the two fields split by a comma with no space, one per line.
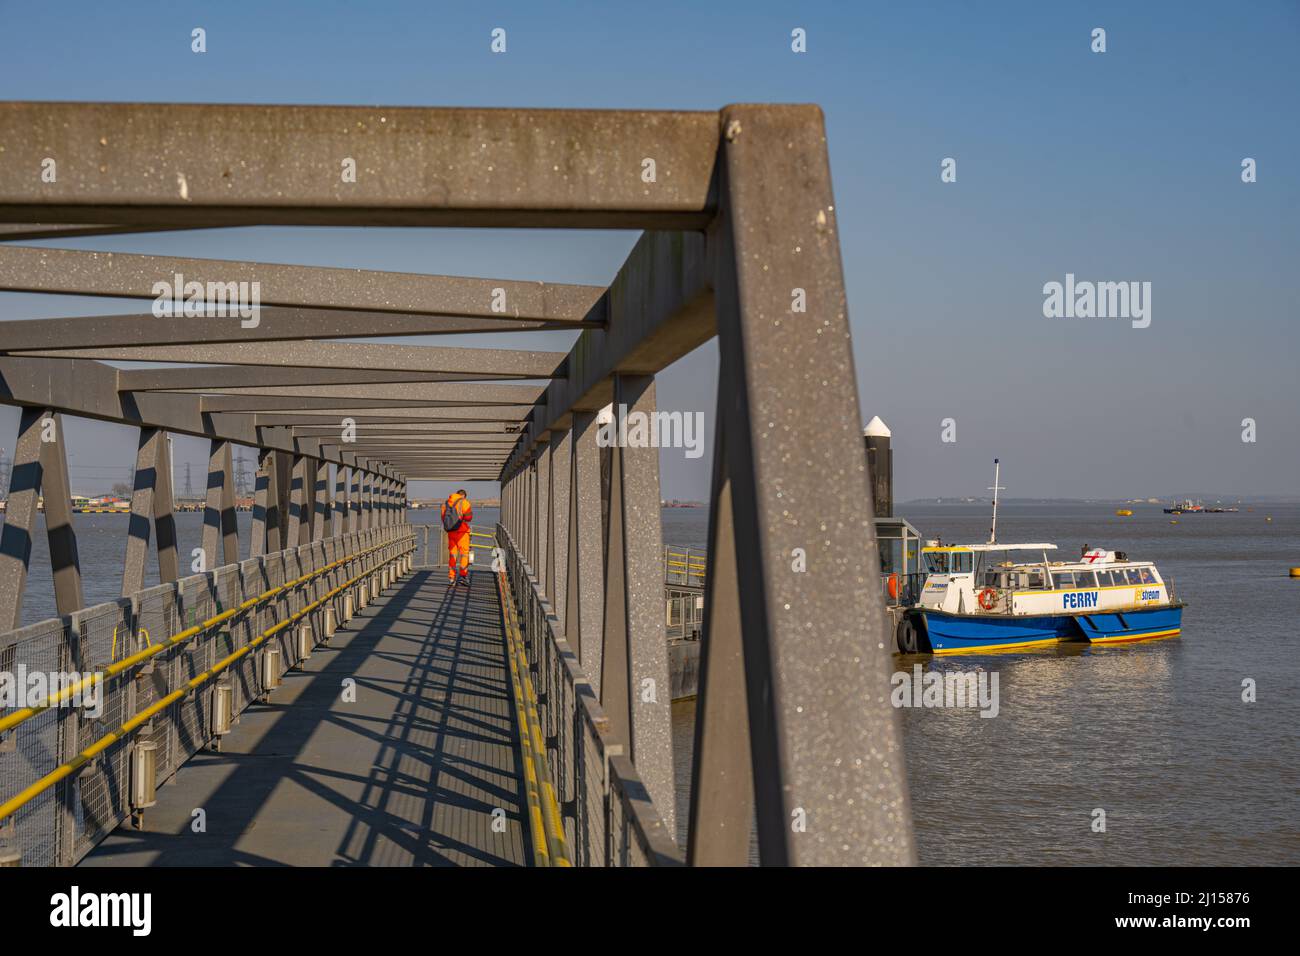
[954,633]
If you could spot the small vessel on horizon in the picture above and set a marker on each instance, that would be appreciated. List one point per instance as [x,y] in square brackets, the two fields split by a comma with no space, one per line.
[1188,506]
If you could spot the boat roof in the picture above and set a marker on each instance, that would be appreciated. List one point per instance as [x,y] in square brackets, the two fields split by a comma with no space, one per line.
[990,547]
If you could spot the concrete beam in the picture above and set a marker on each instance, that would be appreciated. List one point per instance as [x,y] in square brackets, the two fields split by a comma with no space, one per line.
[220,165]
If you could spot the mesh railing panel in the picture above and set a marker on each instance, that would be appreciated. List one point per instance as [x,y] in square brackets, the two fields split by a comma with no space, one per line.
[64,822]
[608,819]
[156,619]
[98,792]
[34,748]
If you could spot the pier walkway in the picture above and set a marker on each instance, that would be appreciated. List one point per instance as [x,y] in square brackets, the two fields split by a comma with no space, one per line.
[530,723]
[410,772]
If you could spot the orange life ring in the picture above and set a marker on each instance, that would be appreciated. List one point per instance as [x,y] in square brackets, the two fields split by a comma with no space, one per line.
[988,598]
[893,587]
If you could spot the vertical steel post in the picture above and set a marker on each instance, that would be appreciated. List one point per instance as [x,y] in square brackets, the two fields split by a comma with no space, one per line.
[298,518]
[561,472]
[354,501]
[586,575]
[68,594]
[340,500]
[284,463]
[220,532]
[635,690]
[544,518]
[722,776]
[825,741]
[151,505]
[319,484]
[367,500]
[20,515]
[266,531]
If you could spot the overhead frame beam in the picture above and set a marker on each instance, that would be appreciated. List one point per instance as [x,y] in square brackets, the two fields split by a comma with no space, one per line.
[89,390]
[87,333]
[453,393]
[221,165]
[660,307]
[132,276]
[353,356]
[218,378]
[27,231]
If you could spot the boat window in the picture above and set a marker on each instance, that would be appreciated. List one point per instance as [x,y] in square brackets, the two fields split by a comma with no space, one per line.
[1147,576]
[1133,576]
[963,562]
[1104,579]
[1085,579]
[936,562]
[1063,580]
[1032,579]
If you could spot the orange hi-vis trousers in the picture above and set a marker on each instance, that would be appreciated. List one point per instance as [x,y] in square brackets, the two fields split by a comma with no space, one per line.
[458,546]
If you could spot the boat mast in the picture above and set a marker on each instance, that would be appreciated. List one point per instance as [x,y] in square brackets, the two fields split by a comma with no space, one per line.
[993,531]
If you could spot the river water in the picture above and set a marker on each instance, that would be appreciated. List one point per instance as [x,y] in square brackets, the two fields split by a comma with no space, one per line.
[1155,734]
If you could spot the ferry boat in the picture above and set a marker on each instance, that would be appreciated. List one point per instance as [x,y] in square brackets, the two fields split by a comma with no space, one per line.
[975,598]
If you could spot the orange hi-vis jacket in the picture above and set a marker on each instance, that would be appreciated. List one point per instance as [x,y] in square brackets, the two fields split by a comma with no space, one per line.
[463,508]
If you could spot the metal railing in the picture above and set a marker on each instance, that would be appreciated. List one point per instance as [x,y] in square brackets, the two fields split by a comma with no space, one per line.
[902,590]
[152,666]
[686,566]
[607,816]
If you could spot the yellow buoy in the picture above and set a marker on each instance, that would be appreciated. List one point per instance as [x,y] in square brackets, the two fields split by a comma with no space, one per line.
[1123,512]
[1172,521]
[1295,572]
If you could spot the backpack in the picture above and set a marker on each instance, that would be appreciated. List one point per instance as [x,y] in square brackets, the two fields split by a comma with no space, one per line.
[451,517]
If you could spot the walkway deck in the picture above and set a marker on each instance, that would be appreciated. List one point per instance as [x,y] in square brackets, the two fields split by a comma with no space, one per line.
[408,774]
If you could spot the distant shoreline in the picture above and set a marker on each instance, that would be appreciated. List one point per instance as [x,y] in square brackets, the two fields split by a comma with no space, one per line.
[1143,502]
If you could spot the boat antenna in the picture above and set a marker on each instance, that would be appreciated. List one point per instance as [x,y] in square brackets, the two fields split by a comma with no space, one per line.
[993,531]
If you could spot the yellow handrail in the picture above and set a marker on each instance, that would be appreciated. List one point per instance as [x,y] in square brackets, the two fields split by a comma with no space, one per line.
[18,716]
[20,799]
[550,844]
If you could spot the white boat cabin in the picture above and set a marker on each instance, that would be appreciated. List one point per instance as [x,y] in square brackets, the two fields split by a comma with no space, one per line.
[982,579]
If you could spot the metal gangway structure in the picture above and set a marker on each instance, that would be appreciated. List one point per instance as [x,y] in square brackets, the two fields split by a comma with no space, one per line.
[556,655]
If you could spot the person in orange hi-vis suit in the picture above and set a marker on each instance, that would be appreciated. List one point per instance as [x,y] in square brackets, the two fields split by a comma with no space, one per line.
[457,513]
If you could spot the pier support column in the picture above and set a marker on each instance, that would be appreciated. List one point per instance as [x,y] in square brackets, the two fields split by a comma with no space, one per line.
[220,532]
[40,464]
[585,578]
[367,501]
[297,526]
[319,483]
[151,504]
[825,742]
[544,529]
[722,773]
[340,501]
[284,493]
[561,472]
[635,689]
[354,501]
[57,492]
[267,516]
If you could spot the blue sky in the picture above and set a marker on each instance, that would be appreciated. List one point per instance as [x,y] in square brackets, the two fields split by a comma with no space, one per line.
[1116,166]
